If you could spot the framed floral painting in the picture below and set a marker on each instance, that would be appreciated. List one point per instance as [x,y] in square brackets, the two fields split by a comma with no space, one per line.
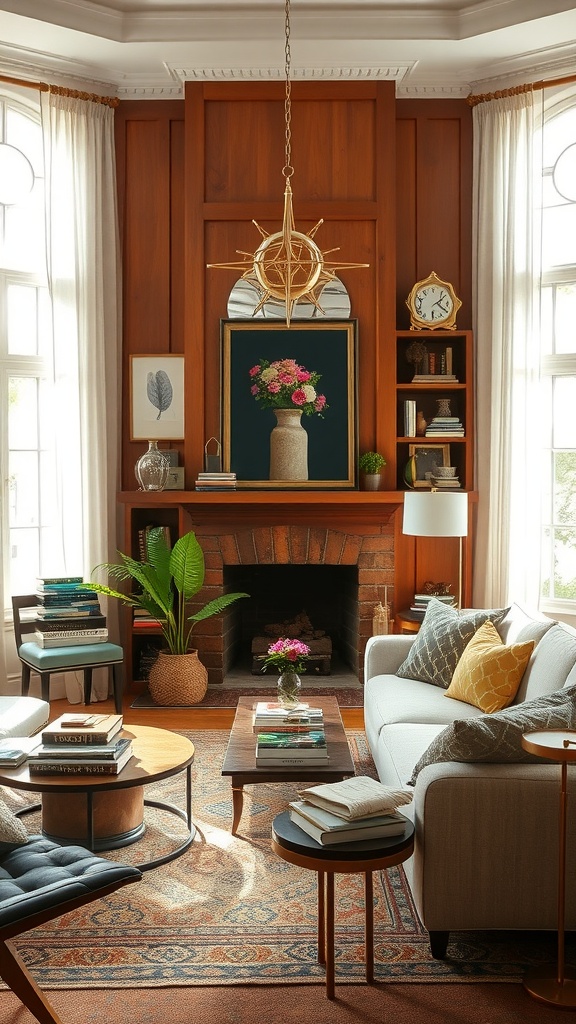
[289,410]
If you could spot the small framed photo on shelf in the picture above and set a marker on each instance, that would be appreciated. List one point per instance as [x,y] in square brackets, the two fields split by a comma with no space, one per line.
[175,479]
[156,398]
[426,458]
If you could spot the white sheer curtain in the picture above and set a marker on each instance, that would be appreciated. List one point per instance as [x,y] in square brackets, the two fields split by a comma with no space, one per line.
[506,273]
[83,271]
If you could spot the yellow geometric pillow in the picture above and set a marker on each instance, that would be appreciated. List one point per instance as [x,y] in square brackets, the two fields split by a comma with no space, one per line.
[488,673]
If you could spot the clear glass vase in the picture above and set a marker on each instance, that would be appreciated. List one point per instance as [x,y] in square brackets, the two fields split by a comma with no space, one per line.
[152,469]
[289,686]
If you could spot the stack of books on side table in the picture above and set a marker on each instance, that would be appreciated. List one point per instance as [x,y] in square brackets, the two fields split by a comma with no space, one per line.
[81,745]
[421,601]
[350,811]
[68,614]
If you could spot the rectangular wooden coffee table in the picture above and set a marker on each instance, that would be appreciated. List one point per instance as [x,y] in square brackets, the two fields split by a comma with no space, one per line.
[240,758]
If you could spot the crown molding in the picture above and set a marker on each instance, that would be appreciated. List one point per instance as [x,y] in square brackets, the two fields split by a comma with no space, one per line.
[387,72]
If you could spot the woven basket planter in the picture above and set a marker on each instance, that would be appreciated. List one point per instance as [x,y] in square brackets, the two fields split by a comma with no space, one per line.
[178,679]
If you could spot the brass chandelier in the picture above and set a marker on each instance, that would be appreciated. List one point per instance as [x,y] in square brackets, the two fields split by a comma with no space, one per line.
[287,265]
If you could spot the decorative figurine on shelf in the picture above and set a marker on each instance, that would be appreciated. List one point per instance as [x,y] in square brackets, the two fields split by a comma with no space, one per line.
[421,424]
[416,354]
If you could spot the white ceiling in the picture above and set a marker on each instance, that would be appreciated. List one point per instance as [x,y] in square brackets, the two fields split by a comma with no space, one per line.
[148,48]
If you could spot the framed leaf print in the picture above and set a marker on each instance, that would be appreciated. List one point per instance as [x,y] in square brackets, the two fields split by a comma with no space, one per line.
[156,398]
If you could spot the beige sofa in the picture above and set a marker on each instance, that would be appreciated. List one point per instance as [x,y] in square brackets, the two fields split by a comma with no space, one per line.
[486,847]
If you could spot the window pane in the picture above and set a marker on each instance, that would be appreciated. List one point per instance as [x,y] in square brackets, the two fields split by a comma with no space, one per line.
[22,320]
[23,470]
[546,321]
[25,133]
[23,247]
[24,560]
[563,412]
[558,133]
[559,236]
[565,340]
[565,564]
[22,413]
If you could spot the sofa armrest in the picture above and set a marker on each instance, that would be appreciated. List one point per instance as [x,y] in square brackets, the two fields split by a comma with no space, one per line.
[486,850]
[385,654]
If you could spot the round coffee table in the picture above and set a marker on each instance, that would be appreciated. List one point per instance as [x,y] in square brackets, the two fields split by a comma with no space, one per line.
[105,812]
[293,845]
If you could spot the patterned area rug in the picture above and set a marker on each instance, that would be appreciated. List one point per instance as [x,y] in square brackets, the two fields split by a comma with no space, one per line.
[229,912]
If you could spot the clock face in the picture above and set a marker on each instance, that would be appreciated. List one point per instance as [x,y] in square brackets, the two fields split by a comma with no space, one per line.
[433,303]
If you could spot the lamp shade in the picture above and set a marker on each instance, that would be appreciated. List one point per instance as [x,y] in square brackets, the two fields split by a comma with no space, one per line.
[435,514]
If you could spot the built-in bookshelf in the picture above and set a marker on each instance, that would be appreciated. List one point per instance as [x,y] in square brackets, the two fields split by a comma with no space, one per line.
[434,367]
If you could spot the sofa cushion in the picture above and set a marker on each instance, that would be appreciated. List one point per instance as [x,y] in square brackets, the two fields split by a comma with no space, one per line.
[489,672]
[12,831]
[441,640]
[498,737]
[390,700]
[519,625]
[22,716]
[553,658]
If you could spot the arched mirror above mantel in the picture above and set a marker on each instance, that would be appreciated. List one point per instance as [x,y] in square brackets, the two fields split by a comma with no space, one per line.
[334,302]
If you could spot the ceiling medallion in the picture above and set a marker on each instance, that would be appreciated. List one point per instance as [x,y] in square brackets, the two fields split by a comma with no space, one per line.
[288,265]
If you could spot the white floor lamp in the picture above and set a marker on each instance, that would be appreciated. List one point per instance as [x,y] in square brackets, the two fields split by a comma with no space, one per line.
[436,514]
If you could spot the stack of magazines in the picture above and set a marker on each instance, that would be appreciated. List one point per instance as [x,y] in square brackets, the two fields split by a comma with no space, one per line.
[350,811]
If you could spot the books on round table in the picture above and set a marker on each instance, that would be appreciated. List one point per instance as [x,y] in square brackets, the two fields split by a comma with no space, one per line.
[329,829]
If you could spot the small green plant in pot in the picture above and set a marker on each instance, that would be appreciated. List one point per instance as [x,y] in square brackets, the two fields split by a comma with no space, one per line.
[371,463]
[163,586]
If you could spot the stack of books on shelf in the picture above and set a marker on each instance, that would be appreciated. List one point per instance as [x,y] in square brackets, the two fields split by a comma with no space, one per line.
[81,745]
[143,620]
[352,811]
[216,482]
[446,483]
[421,601]
[443,426]
[436,368]
[67,613]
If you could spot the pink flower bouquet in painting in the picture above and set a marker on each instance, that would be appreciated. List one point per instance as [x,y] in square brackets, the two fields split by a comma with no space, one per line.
[284,384]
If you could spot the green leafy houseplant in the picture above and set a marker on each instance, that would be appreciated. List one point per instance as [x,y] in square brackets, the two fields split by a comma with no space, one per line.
[164,584]
[371,462]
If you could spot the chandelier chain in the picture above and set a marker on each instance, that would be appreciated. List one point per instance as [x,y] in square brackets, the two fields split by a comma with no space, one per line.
[288,169]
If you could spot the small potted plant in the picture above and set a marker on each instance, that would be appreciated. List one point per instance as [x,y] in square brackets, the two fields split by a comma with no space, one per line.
[371,463]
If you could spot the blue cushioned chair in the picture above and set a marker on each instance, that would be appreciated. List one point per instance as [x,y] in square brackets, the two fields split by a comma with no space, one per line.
[45,661]
[38,882]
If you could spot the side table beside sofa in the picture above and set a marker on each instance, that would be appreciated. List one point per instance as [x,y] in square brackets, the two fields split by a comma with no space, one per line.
[485,810]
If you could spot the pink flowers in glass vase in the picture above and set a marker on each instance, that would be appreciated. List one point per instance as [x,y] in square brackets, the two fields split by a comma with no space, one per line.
[286,656]
[284,384]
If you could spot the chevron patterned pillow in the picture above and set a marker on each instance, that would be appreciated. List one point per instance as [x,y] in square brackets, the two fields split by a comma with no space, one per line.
[441,640]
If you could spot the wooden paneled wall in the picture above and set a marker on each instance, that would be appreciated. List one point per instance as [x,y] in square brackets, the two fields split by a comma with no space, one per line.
[392,180]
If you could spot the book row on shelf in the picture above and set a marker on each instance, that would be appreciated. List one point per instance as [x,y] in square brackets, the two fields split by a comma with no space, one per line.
[89,744]
[216,482]
[68,613]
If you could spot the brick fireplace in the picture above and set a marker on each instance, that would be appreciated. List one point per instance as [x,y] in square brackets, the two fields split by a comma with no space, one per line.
[358,557]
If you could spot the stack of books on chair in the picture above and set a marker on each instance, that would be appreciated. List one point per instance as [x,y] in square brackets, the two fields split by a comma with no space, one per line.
[352,811]
[68,613]
[216,482]
[81,745]
[289,738]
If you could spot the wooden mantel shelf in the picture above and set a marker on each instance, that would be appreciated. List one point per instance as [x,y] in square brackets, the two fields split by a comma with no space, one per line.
[335,509]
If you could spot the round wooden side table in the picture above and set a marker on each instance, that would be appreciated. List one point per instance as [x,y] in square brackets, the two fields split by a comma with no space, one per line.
[552,984]
[294,845]
[407,621]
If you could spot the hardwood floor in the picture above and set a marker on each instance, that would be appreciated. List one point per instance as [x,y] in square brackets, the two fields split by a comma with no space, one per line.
[182,718]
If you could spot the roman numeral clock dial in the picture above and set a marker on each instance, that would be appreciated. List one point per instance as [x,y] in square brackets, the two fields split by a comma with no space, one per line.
[433,304]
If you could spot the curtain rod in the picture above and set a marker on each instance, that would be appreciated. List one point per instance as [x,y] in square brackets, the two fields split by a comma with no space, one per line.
[60,90]
[485,97]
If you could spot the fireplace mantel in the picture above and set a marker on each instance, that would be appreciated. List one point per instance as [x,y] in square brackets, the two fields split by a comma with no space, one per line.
[274,507]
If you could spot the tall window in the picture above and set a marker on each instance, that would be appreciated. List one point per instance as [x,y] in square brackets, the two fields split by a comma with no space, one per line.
[29,521]
[558,340]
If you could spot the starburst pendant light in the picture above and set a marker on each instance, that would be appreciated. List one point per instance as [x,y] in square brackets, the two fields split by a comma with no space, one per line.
[287,265]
